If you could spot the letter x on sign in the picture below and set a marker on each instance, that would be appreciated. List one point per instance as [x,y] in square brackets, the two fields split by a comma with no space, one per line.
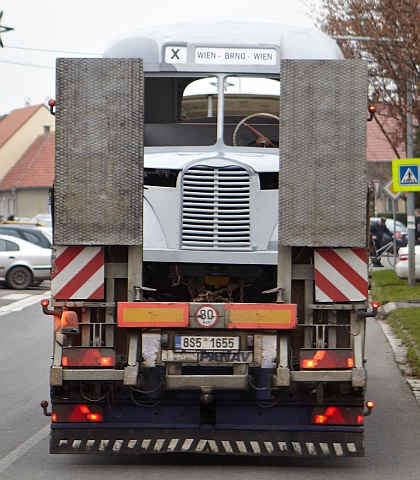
[175,54]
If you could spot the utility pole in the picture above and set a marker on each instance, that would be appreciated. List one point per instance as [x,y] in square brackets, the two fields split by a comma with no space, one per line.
[410,197]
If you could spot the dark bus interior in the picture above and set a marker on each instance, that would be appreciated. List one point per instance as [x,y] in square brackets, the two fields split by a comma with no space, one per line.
[174,119]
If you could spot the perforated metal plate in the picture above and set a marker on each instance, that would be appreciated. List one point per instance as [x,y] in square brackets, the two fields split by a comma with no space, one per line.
[99,152]
[323,111]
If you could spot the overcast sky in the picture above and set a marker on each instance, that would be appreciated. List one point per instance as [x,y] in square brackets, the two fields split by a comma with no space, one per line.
[82,27]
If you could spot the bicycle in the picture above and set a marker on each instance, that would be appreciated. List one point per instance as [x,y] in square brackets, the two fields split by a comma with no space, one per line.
[386,252]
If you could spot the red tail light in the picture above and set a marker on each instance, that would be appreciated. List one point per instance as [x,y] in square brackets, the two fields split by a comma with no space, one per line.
[334,415]
[403,257]
[313,359]
[76,413]
[88,357]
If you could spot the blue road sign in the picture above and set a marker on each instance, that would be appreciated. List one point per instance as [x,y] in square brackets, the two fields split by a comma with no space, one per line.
[408,175]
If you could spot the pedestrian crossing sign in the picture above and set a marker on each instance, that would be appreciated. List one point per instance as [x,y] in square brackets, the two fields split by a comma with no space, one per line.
[406,174]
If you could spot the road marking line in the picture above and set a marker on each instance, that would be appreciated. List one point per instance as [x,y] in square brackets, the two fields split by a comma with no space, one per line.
[23,448]
[15,296]
[25,302]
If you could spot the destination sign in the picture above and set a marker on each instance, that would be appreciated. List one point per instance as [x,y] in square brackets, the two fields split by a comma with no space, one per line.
[236,56]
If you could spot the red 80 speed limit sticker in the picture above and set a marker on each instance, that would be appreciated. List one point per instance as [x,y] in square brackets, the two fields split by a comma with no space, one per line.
[206,316]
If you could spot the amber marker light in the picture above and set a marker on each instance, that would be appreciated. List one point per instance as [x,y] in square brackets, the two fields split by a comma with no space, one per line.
[329,359]
[77,413]
[337,415]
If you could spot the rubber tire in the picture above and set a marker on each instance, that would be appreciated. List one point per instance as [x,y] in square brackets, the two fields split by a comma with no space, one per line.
[19,278]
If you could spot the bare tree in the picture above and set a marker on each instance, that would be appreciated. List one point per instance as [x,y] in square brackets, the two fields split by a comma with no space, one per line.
[386,33]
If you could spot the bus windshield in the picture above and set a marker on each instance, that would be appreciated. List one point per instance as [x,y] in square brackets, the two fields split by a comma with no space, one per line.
[185,111]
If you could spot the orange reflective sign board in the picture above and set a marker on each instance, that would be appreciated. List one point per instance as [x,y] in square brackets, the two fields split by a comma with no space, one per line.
[152,314]
[261,315]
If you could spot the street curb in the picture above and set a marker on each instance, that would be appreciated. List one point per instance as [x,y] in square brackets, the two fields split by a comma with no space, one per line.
[400,351]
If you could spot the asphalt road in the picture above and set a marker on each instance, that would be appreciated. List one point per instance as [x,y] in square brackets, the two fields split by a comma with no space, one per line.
[392,431]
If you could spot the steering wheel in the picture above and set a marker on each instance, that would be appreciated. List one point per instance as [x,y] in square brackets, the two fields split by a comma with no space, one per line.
[261,140]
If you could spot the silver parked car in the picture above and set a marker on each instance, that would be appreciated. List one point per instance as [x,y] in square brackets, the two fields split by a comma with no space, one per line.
[401,267]
[22,263]
[31,233]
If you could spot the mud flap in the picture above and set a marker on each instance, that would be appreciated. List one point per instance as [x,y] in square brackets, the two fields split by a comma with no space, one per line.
[219,442]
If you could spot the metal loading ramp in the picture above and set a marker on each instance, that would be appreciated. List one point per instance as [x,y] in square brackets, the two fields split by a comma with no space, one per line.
[98,186]
[323,111]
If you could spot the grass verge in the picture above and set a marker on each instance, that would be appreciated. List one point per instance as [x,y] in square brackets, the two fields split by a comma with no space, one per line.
[406,324]
[387,287]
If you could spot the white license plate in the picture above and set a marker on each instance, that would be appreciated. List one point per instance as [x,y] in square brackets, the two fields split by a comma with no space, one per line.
[196,343]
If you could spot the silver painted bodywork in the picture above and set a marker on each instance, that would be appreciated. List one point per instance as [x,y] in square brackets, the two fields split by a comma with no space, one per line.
[162,206]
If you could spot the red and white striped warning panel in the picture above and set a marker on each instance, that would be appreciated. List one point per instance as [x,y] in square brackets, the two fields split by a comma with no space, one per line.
[78,273]
[341,275]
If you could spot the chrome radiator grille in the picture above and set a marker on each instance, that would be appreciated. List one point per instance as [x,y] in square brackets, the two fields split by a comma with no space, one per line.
[215,208]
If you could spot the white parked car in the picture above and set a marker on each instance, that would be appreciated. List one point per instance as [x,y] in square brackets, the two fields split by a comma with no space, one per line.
[401,267]
[22,263]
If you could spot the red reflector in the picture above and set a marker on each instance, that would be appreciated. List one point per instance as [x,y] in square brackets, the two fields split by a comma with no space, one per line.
[76,413]
[326,359]
[88,357]
[337,416]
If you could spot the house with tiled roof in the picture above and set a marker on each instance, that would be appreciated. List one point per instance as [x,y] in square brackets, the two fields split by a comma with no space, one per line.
[18,130]
[24,190]
[379,154]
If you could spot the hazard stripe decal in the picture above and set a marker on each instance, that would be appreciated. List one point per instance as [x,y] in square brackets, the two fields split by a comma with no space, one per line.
[78,273]
[324,285]
[64,258]
[341,275]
